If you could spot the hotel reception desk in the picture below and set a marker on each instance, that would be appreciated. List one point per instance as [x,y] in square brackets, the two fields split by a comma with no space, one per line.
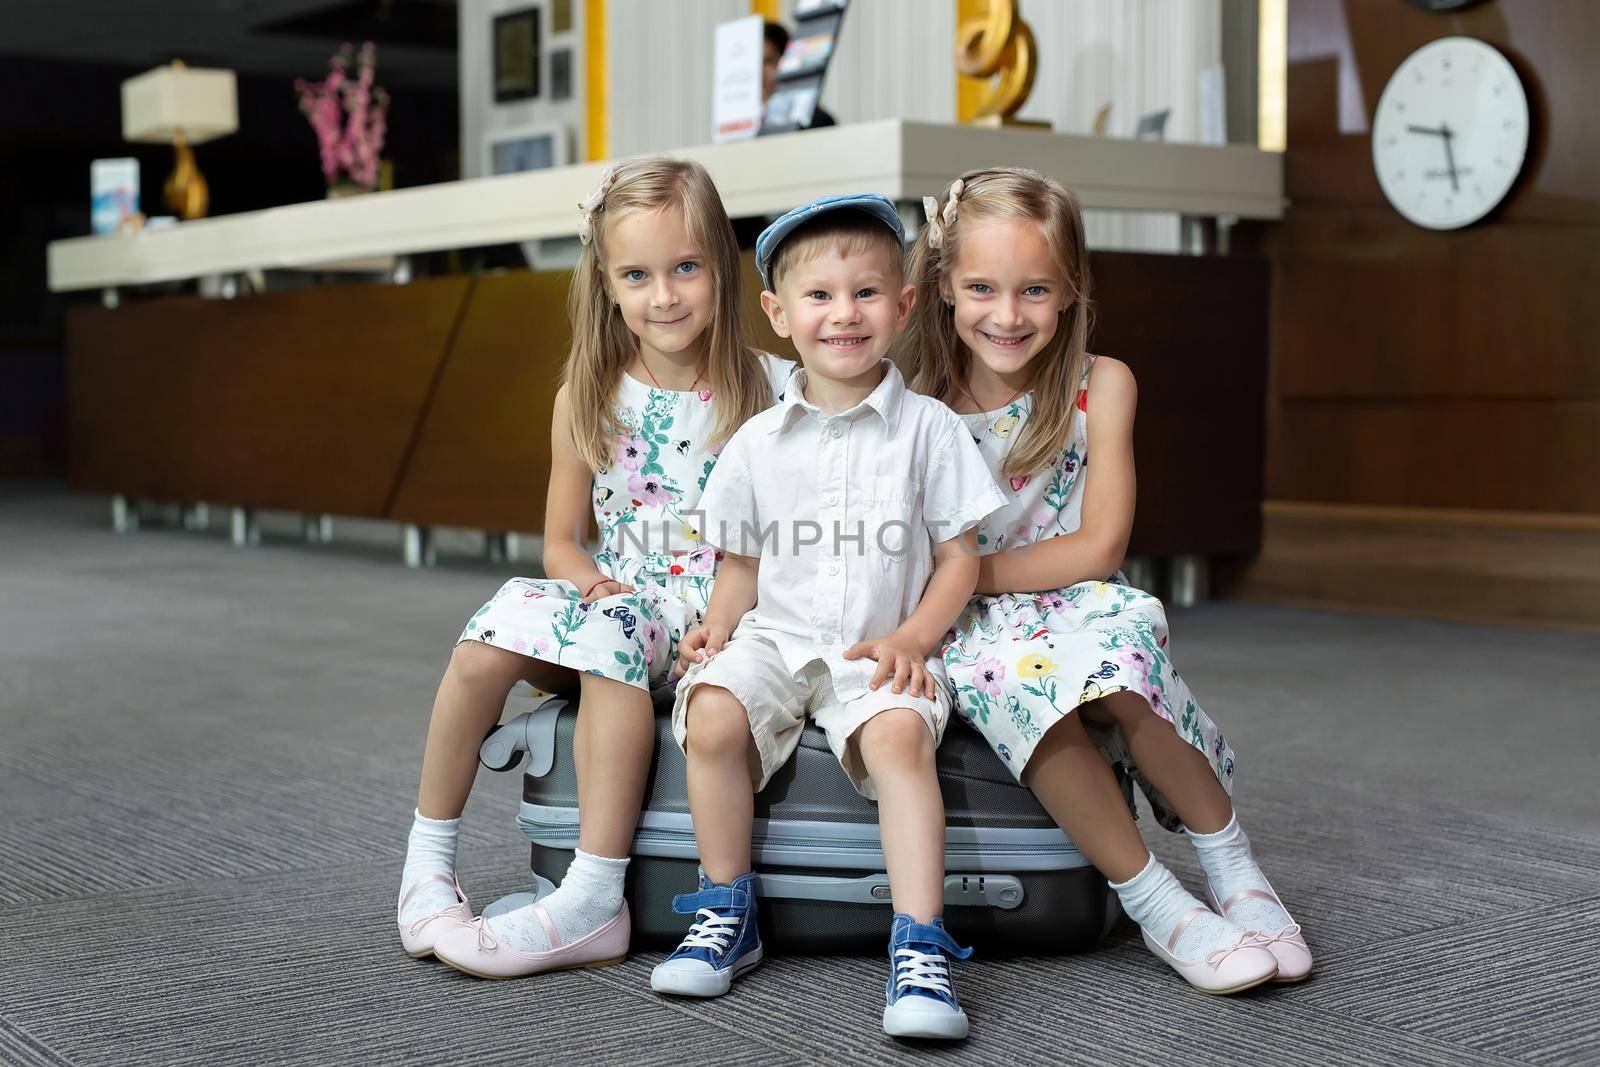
[428,403]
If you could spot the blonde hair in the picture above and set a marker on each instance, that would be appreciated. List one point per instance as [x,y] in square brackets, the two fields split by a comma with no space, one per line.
[930,353]
[602,344]
[845,233]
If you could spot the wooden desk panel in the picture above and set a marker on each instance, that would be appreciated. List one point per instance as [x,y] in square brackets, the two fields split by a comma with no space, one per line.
[304,400]
[430,403]
[482,457]
[1194,331]
[124,415]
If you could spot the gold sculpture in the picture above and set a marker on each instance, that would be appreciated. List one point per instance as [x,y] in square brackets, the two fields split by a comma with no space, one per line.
[999,43]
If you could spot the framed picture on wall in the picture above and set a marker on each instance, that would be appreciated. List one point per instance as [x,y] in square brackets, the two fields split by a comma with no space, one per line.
[516,55]
[560,16]
[532,147]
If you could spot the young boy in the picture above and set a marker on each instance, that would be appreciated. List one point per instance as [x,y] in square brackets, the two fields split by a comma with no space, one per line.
[845,514]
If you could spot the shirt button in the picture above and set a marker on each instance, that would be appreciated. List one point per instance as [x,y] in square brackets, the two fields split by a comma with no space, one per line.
[827,639]
[833,568]
[833,499]
[836,431]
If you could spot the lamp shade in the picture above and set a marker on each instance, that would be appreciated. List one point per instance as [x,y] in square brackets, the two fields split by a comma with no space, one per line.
[201,104]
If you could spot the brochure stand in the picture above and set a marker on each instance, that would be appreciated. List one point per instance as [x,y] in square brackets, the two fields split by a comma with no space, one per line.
[803,66]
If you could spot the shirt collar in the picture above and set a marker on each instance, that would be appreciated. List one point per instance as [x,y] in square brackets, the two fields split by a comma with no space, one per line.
[885,399]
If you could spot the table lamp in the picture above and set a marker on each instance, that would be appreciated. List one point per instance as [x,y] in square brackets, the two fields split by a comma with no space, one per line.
[181,106]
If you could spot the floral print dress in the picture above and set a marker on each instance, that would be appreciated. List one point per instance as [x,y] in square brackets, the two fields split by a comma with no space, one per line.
[643,505]
[1020,662]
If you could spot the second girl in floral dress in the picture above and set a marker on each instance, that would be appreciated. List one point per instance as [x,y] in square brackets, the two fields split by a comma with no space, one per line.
[1058,662]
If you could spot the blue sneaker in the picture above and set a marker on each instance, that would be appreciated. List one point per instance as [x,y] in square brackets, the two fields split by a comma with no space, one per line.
[721,945]
[921,995]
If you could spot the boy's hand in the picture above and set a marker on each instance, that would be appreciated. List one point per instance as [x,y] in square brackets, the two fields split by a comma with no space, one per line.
[700,644]
[605,589]
[898,656]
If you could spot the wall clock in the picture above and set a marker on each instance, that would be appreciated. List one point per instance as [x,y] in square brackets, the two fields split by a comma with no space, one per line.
[1451,133]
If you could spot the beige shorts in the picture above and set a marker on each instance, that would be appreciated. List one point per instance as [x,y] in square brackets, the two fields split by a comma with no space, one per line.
[777,702]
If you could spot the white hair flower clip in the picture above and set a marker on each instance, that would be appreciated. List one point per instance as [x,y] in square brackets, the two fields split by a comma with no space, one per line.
[593,203]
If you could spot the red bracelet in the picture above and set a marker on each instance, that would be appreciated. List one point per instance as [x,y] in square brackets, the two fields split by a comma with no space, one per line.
[597,585]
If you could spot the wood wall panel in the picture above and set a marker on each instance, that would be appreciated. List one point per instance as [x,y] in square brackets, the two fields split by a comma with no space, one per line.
[1413,367]
[303,400]
[1502,455]
[1379,310]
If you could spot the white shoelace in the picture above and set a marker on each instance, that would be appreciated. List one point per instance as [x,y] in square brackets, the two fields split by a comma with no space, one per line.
[712,931]
[921,969]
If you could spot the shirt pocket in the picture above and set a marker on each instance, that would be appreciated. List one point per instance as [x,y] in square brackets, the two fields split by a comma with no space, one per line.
[891,521]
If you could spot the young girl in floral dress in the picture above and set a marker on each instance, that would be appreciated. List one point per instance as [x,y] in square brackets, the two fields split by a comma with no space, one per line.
[1059,666]
[657,380]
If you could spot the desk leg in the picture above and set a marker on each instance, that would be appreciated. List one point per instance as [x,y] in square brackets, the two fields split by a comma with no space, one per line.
[1189,574]
[1141,574]
[319,529]
[417,546]
[244,530]
[1199,235]
[500,547]
[124,514]
[196,516]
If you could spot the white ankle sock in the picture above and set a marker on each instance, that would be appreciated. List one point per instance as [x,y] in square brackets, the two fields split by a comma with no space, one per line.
[590,894]
[1157,901]
[431,849]
[1225,857]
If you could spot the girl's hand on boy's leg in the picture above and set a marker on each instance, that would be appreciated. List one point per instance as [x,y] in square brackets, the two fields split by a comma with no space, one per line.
[898,656]
[605,589]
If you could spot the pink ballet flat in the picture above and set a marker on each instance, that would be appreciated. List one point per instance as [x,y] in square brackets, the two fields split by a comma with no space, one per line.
[419,936]
[1230,969]
[473,948]
[1288,945]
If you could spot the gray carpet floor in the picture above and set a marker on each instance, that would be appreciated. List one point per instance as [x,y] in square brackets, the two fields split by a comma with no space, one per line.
[208,760]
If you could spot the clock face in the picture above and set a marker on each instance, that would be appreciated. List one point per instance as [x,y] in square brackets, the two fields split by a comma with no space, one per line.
[1450,133]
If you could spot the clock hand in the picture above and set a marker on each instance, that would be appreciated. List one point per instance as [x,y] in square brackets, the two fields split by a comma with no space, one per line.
[1450,159]
[1440,132]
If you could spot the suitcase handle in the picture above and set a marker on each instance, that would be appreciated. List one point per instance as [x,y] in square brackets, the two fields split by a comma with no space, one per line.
[1001,891]
[532,732]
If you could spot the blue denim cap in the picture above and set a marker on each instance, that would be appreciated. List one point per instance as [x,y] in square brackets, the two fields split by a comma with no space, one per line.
[879,207]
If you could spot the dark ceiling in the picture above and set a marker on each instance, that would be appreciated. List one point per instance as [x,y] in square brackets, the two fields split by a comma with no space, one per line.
[289,38]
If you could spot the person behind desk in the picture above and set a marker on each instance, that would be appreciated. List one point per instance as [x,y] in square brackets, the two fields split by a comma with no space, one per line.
[775,38]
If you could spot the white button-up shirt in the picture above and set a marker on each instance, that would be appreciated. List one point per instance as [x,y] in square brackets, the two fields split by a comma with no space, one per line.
[843,511]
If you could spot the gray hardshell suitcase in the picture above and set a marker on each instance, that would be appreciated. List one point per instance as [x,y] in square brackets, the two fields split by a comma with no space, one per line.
[1014,883]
